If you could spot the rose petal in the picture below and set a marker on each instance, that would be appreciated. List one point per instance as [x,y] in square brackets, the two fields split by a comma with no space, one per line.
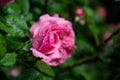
[38,54]
[34,29]
[56,15]
[50,43]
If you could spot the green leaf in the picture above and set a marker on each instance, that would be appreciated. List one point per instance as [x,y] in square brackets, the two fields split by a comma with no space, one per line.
[9,59]
[2,51]
[37,10]
[3,46]
[13,44]
[17,25]
[44,77]
[90,19]
[24,5]
[6,29]
[12,9]
[45,68]
[5,69]
[27,17]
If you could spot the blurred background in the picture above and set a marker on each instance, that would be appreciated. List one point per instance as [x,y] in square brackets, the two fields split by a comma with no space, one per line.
[112,10]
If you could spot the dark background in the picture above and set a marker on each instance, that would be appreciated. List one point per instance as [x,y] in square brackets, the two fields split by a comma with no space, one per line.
[113,10]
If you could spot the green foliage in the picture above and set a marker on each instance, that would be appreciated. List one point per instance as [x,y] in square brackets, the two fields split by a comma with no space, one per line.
[89,15]
[44,77]
[3,46]
[84,71]
[29,74]
[13,44]
[56,8]
[17,26]
[9,59]
[24,5]
[4,28]
[85,46]
[45,68]
[12,9]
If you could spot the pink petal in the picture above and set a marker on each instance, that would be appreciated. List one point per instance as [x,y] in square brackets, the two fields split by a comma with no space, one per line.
[44,17]
[56,15]
[38,54]
[34,29]
[50,43]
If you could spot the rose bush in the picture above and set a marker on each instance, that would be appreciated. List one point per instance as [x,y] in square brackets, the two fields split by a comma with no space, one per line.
[3,2]
[52,39]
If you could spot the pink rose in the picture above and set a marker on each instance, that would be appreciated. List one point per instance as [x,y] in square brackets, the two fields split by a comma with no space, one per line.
[52,39]
[3,2]
[79,12]
[102,12]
